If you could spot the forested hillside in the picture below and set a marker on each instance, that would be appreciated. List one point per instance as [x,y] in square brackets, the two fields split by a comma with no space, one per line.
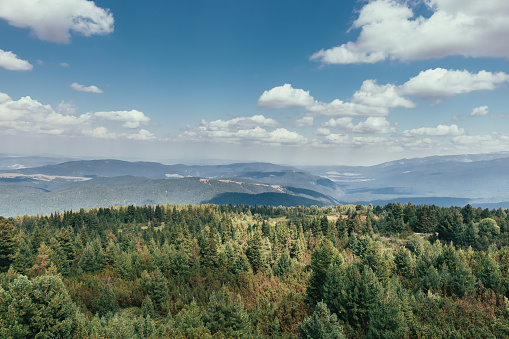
[223,271]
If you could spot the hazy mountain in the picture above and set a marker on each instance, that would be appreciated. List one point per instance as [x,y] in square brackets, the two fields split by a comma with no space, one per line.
[480,180]
[16,199]
[15,162]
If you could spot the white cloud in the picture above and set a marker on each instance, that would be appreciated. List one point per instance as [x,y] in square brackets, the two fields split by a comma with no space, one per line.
[142,134]
[338,108]
[242,123]
[389,29]
[344,123]
[482,143]
[131,119]
[482,110]
[67,108]
[63,64]
[336,139]
[285,96]
[100,132]
[440,131]
[370,100]
[322,131]
[53,20]
[305,122]
[244,129]
[441,83]
[372,125]
[11,62]
[374,95]
[27,115]
[91,89]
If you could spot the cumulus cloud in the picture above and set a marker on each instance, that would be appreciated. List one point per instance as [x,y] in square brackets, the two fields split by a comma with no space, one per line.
[439,131]
[482,143]
[53,20]
[67,108]
[142,134]
[482,110]
[370,100]
[285,96]
[322,131]
[372,125]
[374,95]
[244,129]
[28,115]
[241,123]
[441,83]
[130,119]
[11,62]
[305,122]
[91,89]
[389,29]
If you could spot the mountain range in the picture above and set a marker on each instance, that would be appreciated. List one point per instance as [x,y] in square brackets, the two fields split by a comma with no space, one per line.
[42,185]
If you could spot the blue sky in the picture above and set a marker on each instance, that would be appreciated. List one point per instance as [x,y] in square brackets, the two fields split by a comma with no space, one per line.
[296,82]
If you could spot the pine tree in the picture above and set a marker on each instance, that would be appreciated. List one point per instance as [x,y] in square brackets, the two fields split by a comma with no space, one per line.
[254,252]
[37,308]
[225,315]
[320,259]
[147,307]
[107,301]
[88,261]
[490,274]
[351,293]
[157,286]
[387,319]
[321,325]
[284,265]
[42,261]
[67,244]
[24,257]
[8,244]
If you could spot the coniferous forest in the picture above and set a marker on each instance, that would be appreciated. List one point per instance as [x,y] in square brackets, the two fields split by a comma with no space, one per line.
[210,271]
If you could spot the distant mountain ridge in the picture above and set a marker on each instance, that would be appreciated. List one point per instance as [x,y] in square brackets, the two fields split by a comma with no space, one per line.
[480,180]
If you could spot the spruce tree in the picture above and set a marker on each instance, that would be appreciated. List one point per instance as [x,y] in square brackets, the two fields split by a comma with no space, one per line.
[321,325]
[24,257]
[8,244]
[320,259]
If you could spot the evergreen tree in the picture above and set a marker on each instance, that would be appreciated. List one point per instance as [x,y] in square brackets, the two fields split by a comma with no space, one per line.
[490,274]
[8,244]
[107,301]
[157,286]
[387,319]
[283,265]
[42,261]
[37,308]
[147,307]
[254,252]
[450,227]
[351,293]
[320,260]
[225,315]
[24,257]
[88,261]
[321,325]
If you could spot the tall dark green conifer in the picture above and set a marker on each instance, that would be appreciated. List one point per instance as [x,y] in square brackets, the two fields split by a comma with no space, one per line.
[8,244]
[320,259]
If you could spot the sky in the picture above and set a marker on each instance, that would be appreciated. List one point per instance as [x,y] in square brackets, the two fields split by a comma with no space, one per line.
[322,82]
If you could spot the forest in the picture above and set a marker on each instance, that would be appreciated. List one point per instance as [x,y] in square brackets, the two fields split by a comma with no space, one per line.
[225,271]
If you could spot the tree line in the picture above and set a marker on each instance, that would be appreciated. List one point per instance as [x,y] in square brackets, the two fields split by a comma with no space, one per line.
[224,271]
